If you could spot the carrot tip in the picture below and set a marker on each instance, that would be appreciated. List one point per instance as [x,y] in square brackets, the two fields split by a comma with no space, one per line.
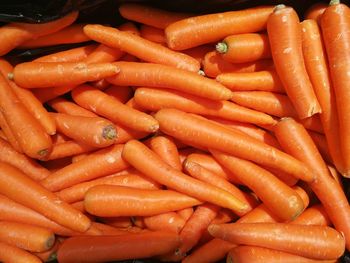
[109,132]
[154,128]
[201,72]
[43,153]
[334,2]
[279,7]
[50,241]
[221,47]
[212,229]
[10,76]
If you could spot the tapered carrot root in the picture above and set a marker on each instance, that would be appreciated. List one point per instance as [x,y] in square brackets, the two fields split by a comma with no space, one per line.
[69,148]
[46,94]
[154,34]
[170,221]
[9,253]
[62,105]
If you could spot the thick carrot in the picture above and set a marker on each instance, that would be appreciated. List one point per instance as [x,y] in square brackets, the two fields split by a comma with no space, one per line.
[100,163]
[295,140]
[9,253]
[32,104]
[156,99]
[317,68]
[315,11]
[240,48]
[25,236]
[122,94]
[246,254]
[153,34]
[336,37]
[93,131]
[284,33]
[208,134]
[28,132]
[63,105]
[213,65]
[22,162]
[122,247]
[110,108]
[30,74]
[214,27]
[146,161]
[114,200]
[140,47]
[148,15]
[266,80]
[317,242]
[170,222]
[68,148]
[19,187]
[314,215]
[8,134]
[135,180]
[162,76]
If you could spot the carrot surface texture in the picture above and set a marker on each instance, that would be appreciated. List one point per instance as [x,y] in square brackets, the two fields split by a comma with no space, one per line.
[9,253]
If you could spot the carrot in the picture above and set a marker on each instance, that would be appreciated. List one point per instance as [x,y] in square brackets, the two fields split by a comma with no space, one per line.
[122,247]
[46,94]
[130,27]
[120,221]
[317,242]
[314,215]
[153,34]
[150,16]
[13,34]
[185,126]
[317,68]
[21,161]
[67,149]
[32,104]
[62,105]
[69,55]
[110,108]
[315,11]
[25,236]
[185,213]
[245,254]
[49,255]
[9,136]
[199,52]
[135,180]
[125,134]
[29,74]
[170,222]
[266,80]
[156,99]
[104,54]
[295,140]
[9,253]
[240,48]
[284,33]
[313,123]
[122,94]
[69,35]
[334,24]
[214,27]
[100,163]
[28,132]
[321,144]
[92,131]
[140,47]
[166,148]
[113,200]
[17,186]
[213,65]
[146,161]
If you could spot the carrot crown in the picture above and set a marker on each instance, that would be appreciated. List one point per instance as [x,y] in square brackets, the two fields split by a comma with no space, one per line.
[221,47]
[334,2]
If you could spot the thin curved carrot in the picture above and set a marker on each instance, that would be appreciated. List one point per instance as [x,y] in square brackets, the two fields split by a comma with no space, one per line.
[214,27]
[140,47]
[284,33]
[185,126]
[162,76]
[63,105]
[240,48]
[153,34]
[27,130]
[19,187]
[9,253]
[100,163]
[29,74]
[110,108]
[148,15]
[122,94]
[170,222]
[9,136]
[156,99]
[314,215]
[303,240]
[315,11]
[68,148]
[266,80]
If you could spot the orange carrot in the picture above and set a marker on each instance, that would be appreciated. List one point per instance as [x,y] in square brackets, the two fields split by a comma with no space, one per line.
[62,105]
[125,134]
[46,94]
[100,163]
[295,140]
[170,222]
[19,187]
[153,34]
[92,131]
[9,253]
[110,108]
[28,132]
[118,222]
[29,74]
[208,134]
[214,27]
[314,215]
[308,240]
[185,213]
[199,52]
[150,15]
[130,27]
[284,33]
[68,148]
[240,48]
[104,54]
[321,144]
[161,76]
[49,255]
[266,80]
[135,153]
[313,123]
[315,11]
[334,24]
[135,180]
[140,47]
[156,99]
[122,94]
[122,247]
[8,133]
[32,104]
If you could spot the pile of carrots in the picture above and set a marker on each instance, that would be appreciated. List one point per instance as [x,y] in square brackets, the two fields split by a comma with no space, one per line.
[178,137]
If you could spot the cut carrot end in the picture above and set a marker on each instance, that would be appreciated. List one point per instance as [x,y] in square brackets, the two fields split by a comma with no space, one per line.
[212,229]
[109,132]
[10,76]
[221,47]
[50,242]
[201,72]
[279,7]
[334,2]
[43,153]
